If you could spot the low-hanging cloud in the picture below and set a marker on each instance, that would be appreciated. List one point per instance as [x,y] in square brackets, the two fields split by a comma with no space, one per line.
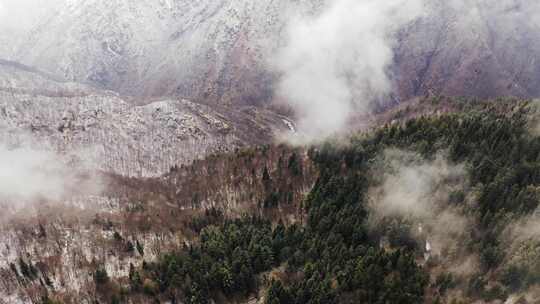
[419,191]
[414,187]
[28,174]
[336,63]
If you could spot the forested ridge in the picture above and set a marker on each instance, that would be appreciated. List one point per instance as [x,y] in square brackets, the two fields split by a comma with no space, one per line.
[336,245]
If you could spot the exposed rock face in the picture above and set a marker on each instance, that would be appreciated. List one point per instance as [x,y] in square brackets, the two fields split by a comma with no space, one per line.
[100,130]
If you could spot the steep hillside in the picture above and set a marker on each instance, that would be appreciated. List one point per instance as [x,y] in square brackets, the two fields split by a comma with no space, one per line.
[218,51]
[474,49]
[438,209]
[101,130]
[211,50]
[58,247]
[431,207]
[17,77]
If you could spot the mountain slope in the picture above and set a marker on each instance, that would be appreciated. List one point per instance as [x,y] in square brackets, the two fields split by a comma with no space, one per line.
[438,208]
[100,130]
[205,49]
[484,51]
[132,221]
[218,51]
[17,77]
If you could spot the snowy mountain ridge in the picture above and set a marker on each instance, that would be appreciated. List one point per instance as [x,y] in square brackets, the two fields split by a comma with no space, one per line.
[101,130]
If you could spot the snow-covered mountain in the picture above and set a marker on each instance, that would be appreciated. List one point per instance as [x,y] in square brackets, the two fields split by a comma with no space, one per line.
[100,130]
[212,50]
[217,50]
[18,77]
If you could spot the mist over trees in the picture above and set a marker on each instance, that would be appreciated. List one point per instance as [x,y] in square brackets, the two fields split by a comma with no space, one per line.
[468,179]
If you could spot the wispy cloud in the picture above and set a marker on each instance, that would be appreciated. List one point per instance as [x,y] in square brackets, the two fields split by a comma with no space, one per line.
[27,173]
[336,63]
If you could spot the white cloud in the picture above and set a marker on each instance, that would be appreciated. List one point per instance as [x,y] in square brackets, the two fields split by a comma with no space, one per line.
[27,174]
[336,63]
[418,190]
